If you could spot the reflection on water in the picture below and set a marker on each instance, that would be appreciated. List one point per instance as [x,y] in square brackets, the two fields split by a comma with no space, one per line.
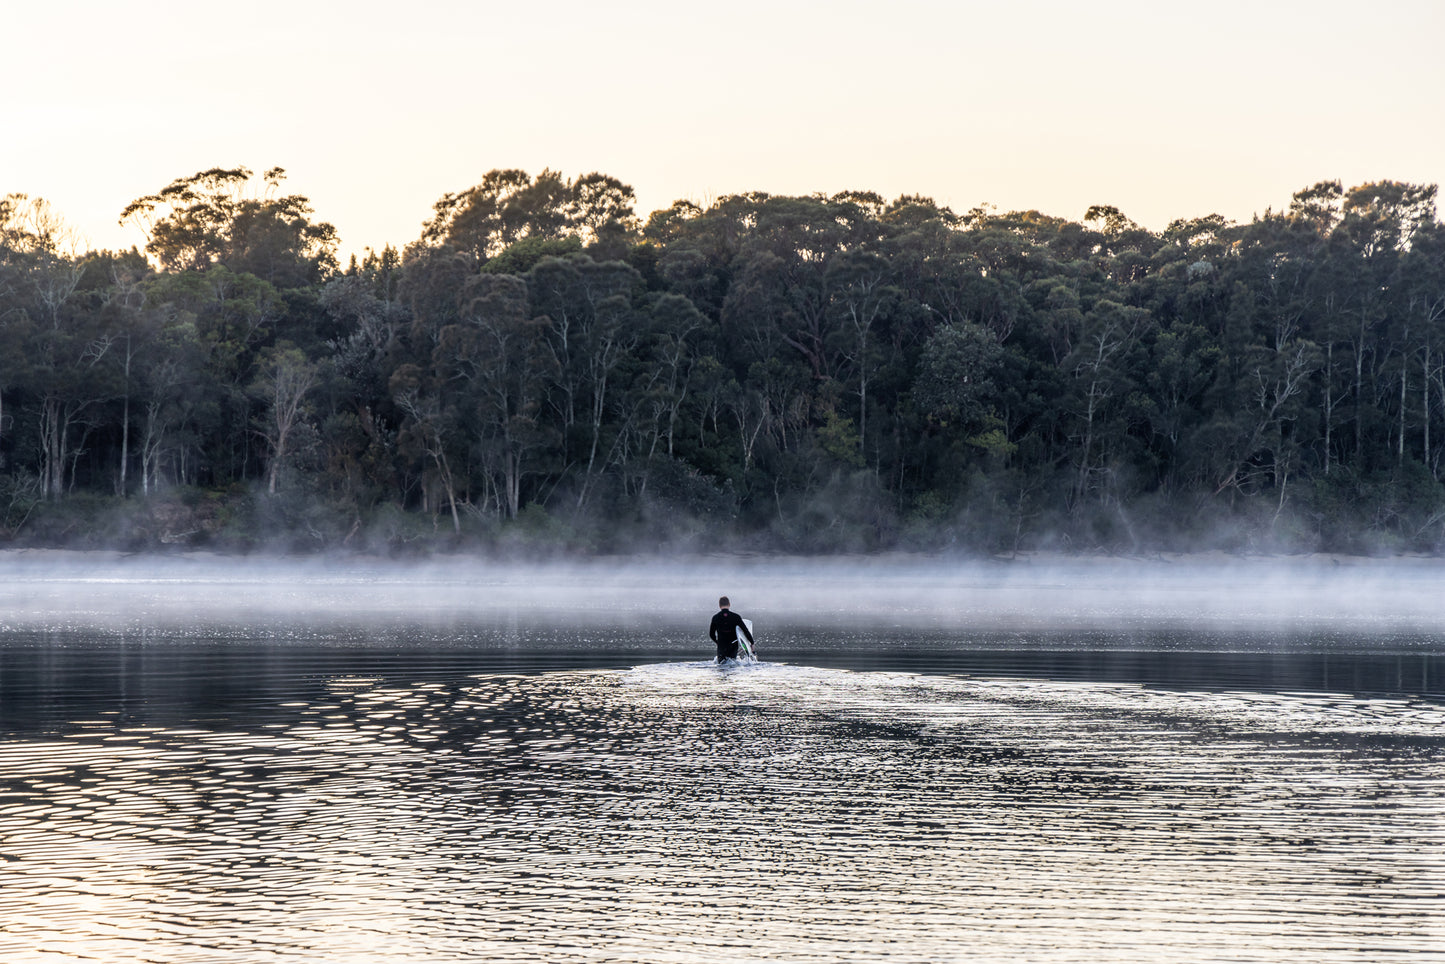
[442,802]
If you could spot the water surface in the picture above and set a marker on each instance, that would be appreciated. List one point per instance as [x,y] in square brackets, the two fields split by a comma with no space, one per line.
[507,787]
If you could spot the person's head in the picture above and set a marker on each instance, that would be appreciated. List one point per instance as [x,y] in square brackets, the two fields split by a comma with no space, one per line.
[723,603]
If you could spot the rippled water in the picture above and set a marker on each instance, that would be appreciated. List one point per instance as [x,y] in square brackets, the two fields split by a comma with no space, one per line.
[528,792]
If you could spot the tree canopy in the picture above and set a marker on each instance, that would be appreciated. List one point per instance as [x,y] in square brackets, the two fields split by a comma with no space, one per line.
[542,369]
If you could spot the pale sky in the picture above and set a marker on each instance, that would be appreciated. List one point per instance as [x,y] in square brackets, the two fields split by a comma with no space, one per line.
[1163,109]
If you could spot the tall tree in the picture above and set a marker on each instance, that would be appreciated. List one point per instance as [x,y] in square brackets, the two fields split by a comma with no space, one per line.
[862,299]
[284,379]
[1100,377]
[503,352]
[510,206]
[212,218]
[430,431]
[594,328]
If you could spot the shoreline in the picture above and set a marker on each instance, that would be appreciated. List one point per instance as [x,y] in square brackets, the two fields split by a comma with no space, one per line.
[1032,558]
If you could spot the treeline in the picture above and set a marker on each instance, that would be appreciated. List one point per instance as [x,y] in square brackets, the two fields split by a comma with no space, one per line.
[543,369]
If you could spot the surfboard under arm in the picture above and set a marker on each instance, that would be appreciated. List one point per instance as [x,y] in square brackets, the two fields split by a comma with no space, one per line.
[743,643]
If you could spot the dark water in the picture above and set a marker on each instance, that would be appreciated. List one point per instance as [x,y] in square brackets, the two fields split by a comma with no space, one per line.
[176,800]
[522,789]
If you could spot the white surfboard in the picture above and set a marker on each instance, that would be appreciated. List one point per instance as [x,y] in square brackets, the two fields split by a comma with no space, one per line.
[743,645]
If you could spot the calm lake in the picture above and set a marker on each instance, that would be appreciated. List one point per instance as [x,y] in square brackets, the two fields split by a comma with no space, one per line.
[204,760]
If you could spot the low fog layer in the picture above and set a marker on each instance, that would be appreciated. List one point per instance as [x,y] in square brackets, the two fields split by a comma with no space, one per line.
[41,590]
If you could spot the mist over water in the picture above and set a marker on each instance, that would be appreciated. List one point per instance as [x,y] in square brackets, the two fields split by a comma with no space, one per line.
[112,593]
[238,760]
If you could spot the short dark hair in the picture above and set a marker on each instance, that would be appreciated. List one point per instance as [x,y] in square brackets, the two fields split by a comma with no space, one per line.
[723,603]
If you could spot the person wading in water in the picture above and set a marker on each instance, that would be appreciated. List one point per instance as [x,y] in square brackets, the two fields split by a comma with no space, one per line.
[724,631]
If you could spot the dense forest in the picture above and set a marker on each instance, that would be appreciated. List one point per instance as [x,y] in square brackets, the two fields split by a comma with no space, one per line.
[543,370]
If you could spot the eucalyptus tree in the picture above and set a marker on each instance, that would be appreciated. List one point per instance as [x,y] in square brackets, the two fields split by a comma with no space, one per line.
[380,270]
[136,328]
[1183,363]
[419,361]
[1318,207]
[600,214]
[1424,304]
[213,217]
[1271,399]
[510,206]
[699,247]
[1117,246]
[677,329]
[1008,256]
[595,327]
[172,403]
[704,445]
[368,326]
[927,263]
[1387,218]
[1377,225]
[356,412]
[21,244]
[66,384]
[432,431]
[863,299]
[56,343]
[781,295]
[429,292]
[955,383]
[811,292]
[930,275]
[1100,377]
[285,378]
[501,350]
[234,316]
[506,207]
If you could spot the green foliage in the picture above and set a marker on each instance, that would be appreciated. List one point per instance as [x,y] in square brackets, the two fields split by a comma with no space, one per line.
[839,439]
[820,374]
[206,219]
[954,384]
[995,443]
[525,255]
[510,206]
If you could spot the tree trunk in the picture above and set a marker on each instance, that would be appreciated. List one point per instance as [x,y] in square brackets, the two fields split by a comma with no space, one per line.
[1425,403]
[1360,393]
[279,454]
[54,425]
[446,474]
[1400,442]
[1329,399]
[513,480]
[125,424]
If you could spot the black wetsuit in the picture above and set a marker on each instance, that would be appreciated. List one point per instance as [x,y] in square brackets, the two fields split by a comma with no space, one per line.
[724,632]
